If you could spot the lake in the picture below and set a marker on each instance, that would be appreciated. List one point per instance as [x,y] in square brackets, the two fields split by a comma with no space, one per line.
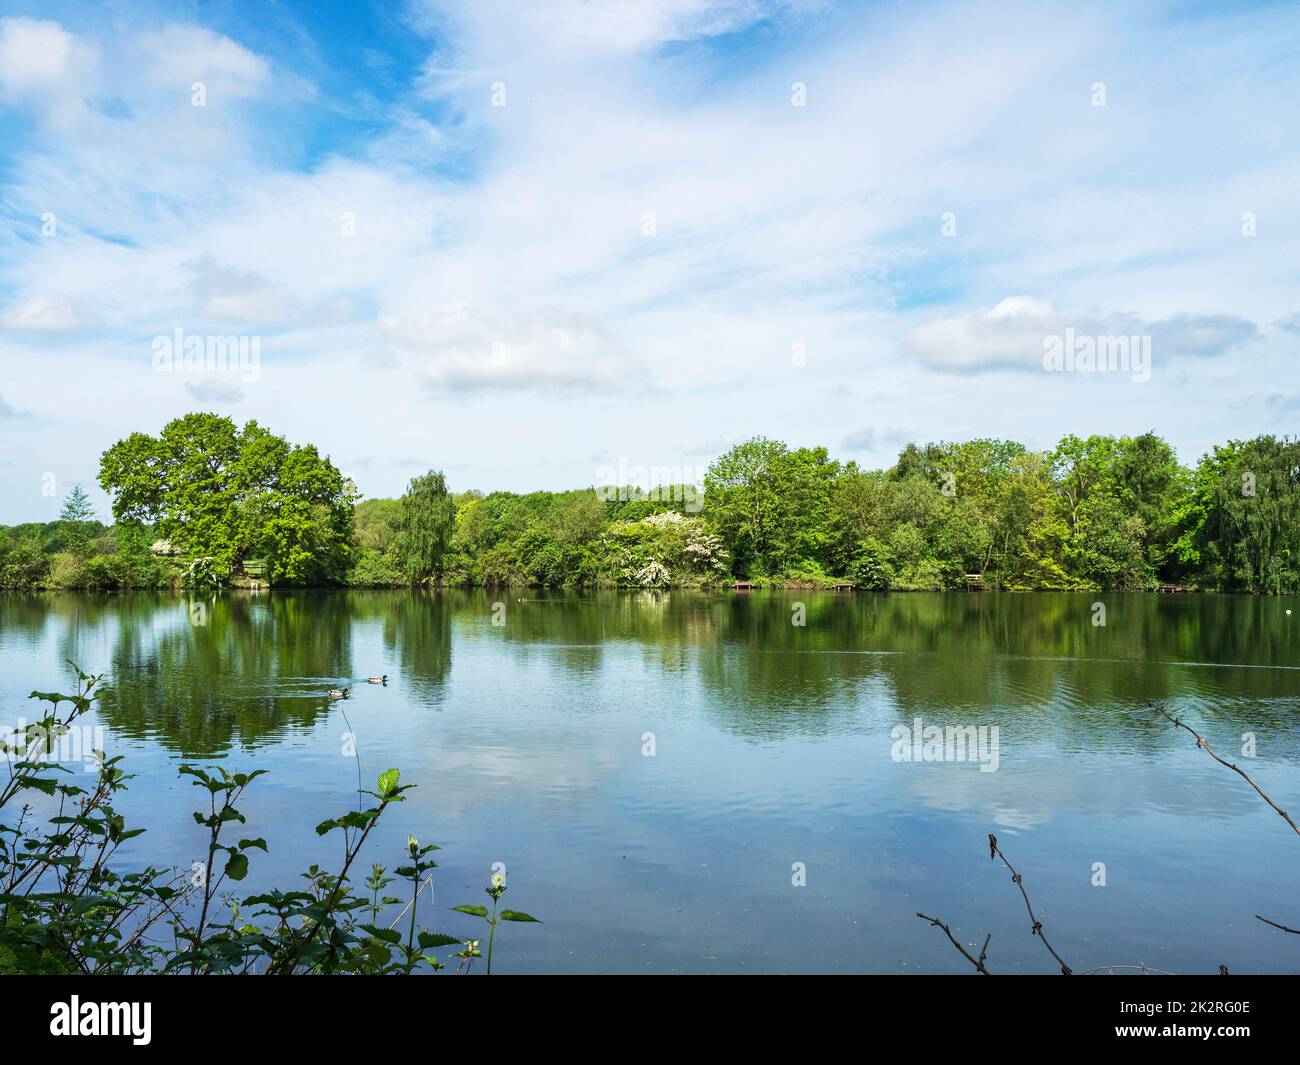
[691,782]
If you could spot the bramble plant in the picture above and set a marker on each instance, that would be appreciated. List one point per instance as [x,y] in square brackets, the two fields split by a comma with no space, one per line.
[64,908]
[495,889]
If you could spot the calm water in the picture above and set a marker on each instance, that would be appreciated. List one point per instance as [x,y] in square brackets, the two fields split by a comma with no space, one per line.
[772,747]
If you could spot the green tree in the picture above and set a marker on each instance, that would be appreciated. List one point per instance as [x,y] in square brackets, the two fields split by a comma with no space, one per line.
[1156,489]
[233,494]
[1029,531]
[78,516]
[1243,533]
[772,506]
[425,525]
[1122,500]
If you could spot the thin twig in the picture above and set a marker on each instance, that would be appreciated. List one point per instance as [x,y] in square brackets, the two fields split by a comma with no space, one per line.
[1200,742]
[1293,931]
[427,882]
[977,962]
[1036,926]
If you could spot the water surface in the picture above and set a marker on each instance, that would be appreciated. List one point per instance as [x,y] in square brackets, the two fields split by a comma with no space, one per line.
[771,747]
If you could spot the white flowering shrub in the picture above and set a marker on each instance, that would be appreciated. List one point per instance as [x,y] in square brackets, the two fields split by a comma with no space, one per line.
[667,549]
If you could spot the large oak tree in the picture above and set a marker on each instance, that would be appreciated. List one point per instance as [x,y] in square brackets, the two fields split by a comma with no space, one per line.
[234,494]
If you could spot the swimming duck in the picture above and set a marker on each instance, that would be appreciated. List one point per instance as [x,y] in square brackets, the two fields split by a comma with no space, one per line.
[379,680]
[337,693]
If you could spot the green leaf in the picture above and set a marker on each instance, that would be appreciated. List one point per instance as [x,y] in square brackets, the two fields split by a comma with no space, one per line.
[516,915]
[437,939]
[237,867]
[388,780]
[473,911]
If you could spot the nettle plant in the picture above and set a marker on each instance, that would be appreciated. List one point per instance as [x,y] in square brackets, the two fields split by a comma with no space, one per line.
[495,889]
[65,908]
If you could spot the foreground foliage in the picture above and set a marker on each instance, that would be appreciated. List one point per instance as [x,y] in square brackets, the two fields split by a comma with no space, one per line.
[65,907]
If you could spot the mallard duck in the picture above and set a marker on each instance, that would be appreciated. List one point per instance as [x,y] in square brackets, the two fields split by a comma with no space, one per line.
[378,680]
[338,693]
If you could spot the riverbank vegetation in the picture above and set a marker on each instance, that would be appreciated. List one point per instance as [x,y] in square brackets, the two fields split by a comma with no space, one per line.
[1098,512]
[69,904]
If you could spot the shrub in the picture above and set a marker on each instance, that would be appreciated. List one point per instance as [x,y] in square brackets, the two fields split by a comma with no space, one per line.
[66,907]
[375,569]
[67,571]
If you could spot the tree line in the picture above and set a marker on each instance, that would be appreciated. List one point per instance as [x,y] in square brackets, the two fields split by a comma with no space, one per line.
[1096,512]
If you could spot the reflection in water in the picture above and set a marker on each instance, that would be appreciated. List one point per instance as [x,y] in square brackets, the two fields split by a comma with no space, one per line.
[772,746]
[200,674]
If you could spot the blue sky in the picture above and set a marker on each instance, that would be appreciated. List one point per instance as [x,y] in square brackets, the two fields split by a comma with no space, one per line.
[525,243]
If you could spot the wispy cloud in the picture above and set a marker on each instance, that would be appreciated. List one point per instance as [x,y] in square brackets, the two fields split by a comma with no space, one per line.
[1011,336]
[633,219]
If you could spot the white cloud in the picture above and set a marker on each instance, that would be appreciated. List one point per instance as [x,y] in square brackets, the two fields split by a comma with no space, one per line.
[223,292]
[774,226]
[1289,322]
[460,350]
[873,441]
[1012,334]
[177,56]
[207,390]
[43,65]
[48,313]
[8,412]
[610,27]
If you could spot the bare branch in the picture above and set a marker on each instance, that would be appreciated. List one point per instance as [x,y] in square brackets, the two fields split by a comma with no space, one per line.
[1293,931]
[1036,926]
[977,962]
[1200,742]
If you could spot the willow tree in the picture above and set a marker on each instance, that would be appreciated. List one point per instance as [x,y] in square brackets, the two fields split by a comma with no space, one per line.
[1243,531]
[425,525]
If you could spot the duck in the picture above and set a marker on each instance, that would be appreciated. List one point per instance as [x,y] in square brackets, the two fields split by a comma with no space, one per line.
[378,680]
[338,693]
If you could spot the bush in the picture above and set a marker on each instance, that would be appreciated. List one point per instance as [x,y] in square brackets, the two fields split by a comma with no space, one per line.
[25,566]
[66,908]
[872,566]
[67,571]
[375,569]
[202,574]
